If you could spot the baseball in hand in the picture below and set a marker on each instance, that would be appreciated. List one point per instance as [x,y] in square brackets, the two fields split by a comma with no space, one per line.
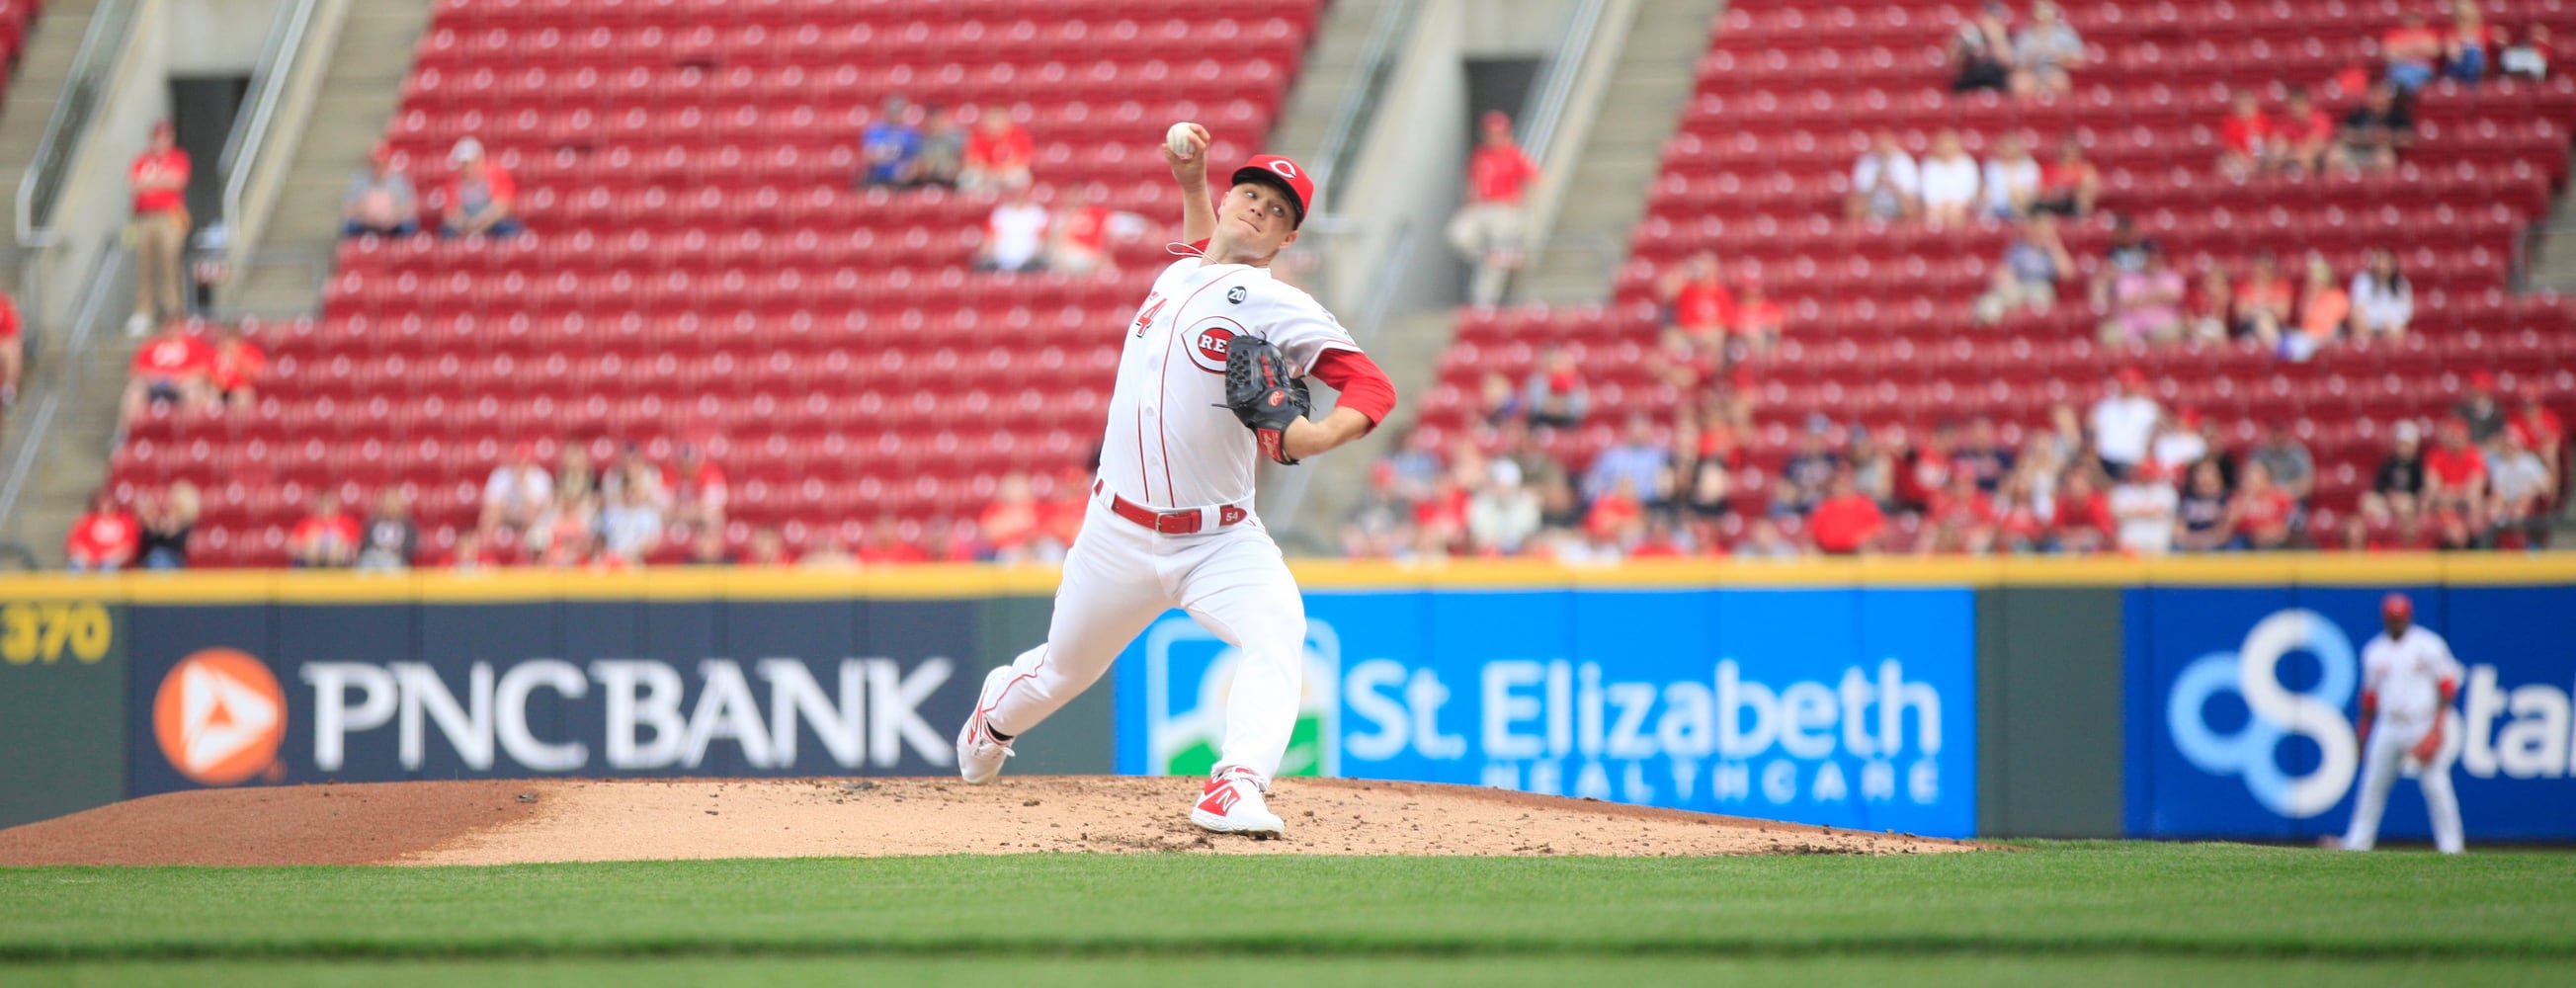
[1182,139]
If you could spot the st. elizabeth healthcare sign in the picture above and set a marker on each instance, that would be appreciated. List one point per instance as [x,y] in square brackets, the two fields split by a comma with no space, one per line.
[1845,707]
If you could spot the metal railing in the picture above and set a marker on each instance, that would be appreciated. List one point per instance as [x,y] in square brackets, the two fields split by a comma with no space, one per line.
[1546,105]
[68,368]
[268,83]
[1359,106]
[93,70]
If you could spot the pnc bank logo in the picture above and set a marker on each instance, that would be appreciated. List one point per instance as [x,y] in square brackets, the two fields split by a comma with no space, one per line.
[219,717]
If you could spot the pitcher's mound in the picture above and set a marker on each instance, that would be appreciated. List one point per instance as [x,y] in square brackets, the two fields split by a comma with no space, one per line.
[515,822]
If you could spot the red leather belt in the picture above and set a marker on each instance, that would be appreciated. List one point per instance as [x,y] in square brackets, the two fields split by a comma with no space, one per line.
[1181,522]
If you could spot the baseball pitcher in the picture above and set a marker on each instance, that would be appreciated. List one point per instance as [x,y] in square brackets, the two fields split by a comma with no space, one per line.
[1210,376]
[2408,679]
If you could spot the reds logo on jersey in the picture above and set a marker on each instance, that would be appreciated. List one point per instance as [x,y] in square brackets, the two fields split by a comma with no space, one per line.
[1208,347]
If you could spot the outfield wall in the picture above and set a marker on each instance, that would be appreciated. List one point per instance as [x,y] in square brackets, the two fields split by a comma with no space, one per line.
[2008,697]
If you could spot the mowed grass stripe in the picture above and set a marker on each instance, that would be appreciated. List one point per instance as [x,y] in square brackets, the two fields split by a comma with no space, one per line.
[2056,899]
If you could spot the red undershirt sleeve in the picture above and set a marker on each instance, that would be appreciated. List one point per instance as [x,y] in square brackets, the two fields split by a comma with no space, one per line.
[1364,387]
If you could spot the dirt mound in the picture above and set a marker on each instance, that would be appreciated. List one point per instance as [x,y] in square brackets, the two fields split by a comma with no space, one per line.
[510,822]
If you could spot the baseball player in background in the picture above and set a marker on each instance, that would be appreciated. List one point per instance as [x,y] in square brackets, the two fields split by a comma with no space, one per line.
[2408,679]
[1218,348]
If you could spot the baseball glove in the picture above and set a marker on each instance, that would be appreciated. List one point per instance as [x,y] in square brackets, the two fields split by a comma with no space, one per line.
[1263,391]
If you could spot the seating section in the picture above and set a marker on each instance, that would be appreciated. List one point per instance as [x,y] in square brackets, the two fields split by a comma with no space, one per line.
[702,265]
[1879,327]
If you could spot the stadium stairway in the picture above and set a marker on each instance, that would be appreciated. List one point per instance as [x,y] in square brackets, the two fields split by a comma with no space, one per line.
[1332,68]
[1625,151]
[38,85]
[360,91]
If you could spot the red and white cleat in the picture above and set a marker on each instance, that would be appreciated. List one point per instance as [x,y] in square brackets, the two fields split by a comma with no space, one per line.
[979,753]
[1232,804]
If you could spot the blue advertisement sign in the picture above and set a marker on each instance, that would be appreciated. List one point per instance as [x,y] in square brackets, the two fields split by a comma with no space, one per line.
[2242,705]
[1842,707]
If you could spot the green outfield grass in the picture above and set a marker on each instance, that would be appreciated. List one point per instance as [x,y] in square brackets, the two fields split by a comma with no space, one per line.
[2100,914]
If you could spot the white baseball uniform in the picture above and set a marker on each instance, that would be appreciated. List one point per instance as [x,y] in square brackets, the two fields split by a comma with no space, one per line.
[1171,522]
[2406,673]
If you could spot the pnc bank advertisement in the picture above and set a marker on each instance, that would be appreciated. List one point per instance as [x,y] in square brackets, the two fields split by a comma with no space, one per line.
[1843,707]
[285,694]
[2242,704]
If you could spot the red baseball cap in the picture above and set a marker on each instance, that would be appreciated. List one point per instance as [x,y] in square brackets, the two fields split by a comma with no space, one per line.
[1278,171]
[2132,376]
[2397,605]
[2482,380]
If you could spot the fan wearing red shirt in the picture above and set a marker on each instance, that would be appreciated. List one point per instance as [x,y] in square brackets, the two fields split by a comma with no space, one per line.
[173,367]
[2455,471]
[1846,522]
[1488,229]
[327,538]
[2303,133]
[2263,510]
[236,367]
[698,489]
[2084,523]
[160,228]
[884,545]
[1758,319]
[13,351]
[1081,243]
[2245,139]
[998,154]
[1010,523]
[481,199]
[2538,429]
[103,539]
[1696,300]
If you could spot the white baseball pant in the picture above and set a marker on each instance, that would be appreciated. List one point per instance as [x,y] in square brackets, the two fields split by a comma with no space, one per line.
[2381,763]
[1119,576]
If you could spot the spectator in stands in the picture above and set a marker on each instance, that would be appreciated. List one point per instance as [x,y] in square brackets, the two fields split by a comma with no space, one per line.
[2178,443]
[238,367]
[103,539]
[575,476]
[1440,518]
[1877,457]
[1014,235]
[2412,50]
[943,150]
[1638,459]
[1080,241]
[326,539]
[390,540]
[2455,470]
[1923,472]
[481,199]
[1846,522]
[2123,422]
[699,491]
[1010,523]
[2324,310]
[2126,251]
[2068,185]
[159,231]
[564,536]
[1695,298]
[707,548]
[1804,477]
[1684,363]
[2011,179]
[1498,402]
[630,526]
[1758,320]
[470,555]
[2045,51]
[1488,229]
[1886,184]
[889,147]
[2402,470]
[834,555]
[2205,314]
[2204,519]
[1949,182]
[2374,132]
[1763,540]
[2470,47]
[2383,302]
[2146,304]
[2540,430]
[2285,461]
[1555,394]
[2144,507]
[885,544]
[2246,140]
[2082,523]
[2265,513]
[13,350]
[633,469]
[2480,409]
[381,201]
[1962,517]
[1982,456]
[174,367]
[1708,491]
[999,155]
[516,495]
[1983,50]
[1503,514]
[2021,518]
[2262,304]
[166,520]
[2528,56]
[2304,134]
[2027,276]
[2521,489]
